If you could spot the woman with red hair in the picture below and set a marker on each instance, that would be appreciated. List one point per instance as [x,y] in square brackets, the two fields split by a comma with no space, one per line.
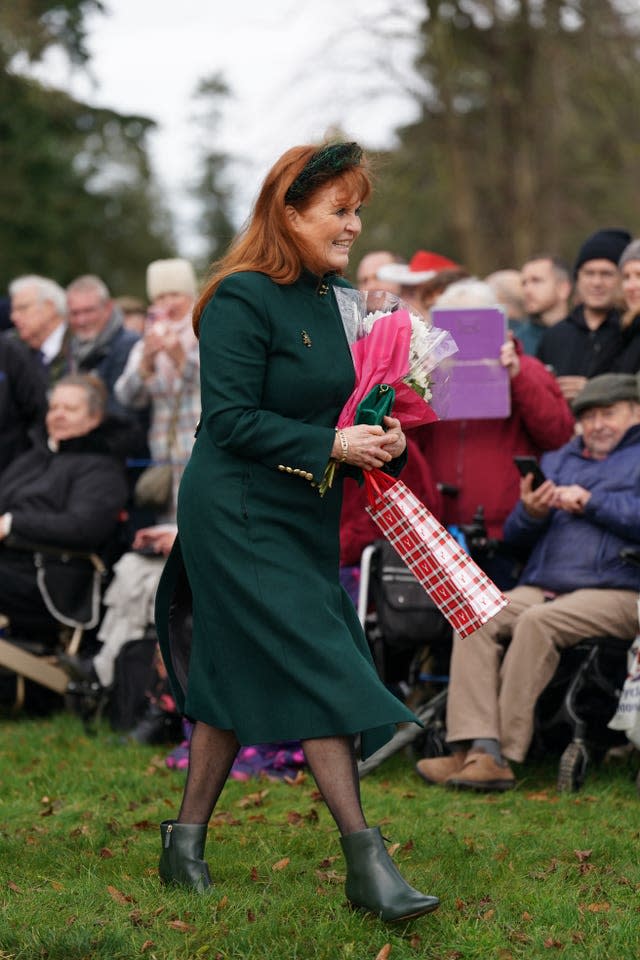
[276,651]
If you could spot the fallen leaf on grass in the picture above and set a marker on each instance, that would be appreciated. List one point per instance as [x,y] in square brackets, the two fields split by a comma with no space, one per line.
[147,946]
[550,943]
[415,941]
[144,825]
[488,915]
[328,861]
[254,874]
[330,876]
[543,796]
[82,831]
[251,917]
[384,953]
[296,781]
[182,926]
[281,864]
[14,886]
[224,819]
[119,897]
[106,854]
[603,907]
[519,936]
[222,903]
[393,848]
[583,855]
[253,799]
[526,916]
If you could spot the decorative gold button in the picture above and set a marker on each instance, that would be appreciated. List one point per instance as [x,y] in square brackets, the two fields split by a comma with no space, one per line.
[289,469]
[308,476]
[281,466]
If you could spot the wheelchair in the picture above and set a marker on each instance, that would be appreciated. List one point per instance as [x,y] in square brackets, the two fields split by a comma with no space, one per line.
[70,583]
[572,712]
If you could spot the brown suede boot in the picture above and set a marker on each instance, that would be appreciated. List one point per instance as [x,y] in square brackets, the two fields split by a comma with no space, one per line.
[439,769]
[481,771]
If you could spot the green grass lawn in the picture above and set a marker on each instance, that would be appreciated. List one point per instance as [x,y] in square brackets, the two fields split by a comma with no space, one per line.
[526,874]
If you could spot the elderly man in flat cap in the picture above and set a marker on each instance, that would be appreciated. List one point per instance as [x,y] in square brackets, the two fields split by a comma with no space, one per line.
[574,585]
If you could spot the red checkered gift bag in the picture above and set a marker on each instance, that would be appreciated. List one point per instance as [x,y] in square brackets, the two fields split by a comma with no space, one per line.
[461,590]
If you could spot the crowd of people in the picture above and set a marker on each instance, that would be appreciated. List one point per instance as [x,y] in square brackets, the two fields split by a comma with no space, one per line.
[95,390]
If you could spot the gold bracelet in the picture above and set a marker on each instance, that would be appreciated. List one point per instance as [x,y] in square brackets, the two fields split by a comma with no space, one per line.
[344,443]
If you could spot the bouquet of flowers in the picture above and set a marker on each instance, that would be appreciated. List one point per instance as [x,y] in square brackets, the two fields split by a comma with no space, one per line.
[397,357]
[394,349]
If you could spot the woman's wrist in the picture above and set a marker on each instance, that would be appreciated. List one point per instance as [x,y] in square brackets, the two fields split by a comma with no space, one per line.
[340,446]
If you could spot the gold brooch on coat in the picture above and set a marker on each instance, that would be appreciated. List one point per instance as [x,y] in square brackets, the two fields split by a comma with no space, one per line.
[306,339]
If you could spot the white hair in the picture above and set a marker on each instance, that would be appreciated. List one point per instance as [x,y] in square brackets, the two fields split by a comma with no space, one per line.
[45,288]
[469,292]
[90,283]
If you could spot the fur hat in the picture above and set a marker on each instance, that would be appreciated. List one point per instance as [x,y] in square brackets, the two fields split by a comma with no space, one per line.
[170,276]
[602,245]
[631,252]
[422,267]
[605,390]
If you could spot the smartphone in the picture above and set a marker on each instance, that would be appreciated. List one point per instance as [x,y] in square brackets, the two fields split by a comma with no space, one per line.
[530,465]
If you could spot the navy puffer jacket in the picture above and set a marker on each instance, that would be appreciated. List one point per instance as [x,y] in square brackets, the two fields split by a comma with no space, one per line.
[573,552]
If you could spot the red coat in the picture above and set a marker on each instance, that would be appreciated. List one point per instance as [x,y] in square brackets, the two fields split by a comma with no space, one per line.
[476,456]
[357,529]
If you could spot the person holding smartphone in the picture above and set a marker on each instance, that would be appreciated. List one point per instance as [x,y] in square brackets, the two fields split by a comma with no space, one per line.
[574,585]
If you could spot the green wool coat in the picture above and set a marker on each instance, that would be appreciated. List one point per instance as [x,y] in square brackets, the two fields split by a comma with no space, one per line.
[276,651]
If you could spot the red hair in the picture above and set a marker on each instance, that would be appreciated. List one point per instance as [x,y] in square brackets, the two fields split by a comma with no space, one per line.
[267,244]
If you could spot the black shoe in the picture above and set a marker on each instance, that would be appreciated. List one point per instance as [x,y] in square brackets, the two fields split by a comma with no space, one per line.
[156,726]
[78,668]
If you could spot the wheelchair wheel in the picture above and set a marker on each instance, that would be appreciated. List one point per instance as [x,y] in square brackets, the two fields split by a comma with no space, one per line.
[573,767]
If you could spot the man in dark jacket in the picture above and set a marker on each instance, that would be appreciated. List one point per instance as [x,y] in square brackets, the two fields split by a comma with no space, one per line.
[67,491]
[575,585]
[22,397]
[585,343]
[100,343]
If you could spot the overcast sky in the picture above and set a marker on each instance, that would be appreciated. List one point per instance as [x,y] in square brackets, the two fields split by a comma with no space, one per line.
[295,68]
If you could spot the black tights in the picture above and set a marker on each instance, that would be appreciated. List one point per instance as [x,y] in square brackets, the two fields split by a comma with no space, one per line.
[331,759]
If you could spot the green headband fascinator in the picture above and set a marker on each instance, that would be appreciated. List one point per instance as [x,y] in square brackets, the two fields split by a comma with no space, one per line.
[322,166]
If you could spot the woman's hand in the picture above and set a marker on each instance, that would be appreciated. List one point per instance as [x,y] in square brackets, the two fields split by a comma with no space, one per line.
[395,441]
[369,447]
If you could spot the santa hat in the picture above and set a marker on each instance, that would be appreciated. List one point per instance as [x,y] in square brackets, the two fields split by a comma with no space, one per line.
[422,267]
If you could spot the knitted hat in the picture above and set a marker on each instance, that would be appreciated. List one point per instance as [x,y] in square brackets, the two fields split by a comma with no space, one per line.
[605,390]
[602,245]
[632,252]
[170,276]
[422,267]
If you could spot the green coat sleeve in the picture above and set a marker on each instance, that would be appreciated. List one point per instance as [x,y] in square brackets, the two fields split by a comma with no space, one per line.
[235,336]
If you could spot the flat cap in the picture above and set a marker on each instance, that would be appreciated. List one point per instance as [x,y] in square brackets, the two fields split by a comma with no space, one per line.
[605,390]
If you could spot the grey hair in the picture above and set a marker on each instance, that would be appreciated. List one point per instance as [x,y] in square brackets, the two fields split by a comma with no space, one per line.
[631,252]
[470,292]
[45,288]
[89,282]
[93,386]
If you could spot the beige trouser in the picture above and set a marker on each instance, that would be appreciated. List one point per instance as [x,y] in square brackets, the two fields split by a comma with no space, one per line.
[492,694]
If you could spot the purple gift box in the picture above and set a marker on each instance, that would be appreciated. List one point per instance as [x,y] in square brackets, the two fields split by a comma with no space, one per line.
[478,386]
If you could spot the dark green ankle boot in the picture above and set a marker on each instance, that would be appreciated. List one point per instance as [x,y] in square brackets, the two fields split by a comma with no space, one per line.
[182,852]
[374,883]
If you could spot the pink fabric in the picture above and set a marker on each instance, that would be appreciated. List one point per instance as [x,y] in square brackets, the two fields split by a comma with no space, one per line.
[465,595]
[383,357]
